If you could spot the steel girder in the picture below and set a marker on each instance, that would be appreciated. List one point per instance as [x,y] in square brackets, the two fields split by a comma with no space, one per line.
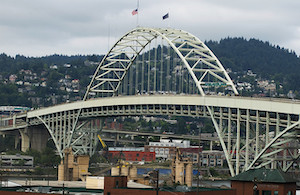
[257,138]
[197,58]
[61,127]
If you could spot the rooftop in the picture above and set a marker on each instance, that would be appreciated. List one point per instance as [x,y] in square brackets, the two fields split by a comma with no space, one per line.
[264,175]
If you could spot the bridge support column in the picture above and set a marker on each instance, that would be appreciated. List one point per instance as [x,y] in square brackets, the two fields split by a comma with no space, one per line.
[38,138]
[14,120]
[35,138]
[117,139]
[25,140]
[17,141]
[211,145]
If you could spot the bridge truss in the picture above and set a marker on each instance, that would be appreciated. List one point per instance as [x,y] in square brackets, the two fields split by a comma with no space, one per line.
[171,72]
[251,136]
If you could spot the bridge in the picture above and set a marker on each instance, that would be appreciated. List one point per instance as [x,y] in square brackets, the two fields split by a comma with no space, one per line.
[170,72]
[209,140]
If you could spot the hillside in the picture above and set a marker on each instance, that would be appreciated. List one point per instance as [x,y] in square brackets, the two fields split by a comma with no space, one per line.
[268,61]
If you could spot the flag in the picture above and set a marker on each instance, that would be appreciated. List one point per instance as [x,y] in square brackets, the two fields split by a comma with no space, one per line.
[165,16]
[134,12]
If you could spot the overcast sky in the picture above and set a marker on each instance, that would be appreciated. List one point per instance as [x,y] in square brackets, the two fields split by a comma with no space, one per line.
[46,27]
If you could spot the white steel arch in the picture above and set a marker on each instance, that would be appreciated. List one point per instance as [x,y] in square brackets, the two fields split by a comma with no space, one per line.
[197,58]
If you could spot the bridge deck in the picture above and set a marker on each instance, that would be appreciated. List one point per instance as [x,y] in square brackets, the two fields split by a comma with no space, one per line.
[261,104]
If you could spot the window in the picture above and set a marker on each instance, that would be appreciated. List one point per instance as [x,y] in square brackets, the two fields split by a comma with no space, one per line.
[266,192]
[275,192]
[255,192]
[289,193]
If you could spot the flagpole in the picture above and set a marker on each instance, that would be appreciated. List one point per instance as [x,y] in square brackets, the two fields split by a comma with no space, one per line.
[108,42]
[169,19]
[165,17]
[137,18]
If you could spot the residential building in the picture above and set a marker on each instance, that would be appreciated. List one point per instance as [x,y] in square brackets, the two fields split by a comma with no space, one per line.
[166,148]
[212,158]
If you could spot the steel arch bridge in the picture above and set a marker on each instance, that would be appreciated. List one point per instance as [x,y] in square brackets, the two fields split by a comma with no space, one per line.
[171,72]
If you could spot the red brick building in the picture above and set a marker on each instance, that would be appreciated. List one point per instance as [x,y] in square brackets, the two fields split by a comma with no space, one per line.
[132,156]
[264,182]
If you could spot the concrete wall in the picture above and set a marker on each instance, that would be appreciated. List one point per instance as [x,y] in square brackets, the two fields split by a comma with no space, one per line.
[95,182]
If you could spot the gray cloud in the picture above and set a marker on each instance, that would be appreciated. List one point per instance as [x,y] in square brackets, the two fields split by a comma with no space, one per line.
[36,28]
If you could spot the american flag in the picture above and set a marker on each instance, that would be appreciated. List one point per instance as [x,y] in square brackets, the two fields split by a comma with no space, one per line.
[134,12]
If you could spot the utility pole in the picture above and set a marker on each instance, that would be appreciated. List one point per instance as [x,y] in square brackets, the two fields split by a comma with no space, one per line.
[1,171]
[198,164]
[157,180]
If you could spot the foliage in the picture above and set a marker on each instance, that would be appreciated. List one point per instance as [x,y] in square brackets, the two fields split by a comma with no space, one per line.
[7,143]
[98,158]
[213,172]
[267,60]
[46,158]
[41,71]
[9,95]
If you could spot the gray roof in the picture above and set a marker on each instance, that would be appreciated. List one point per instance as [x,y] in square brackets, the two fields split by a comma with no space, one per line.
[264,175]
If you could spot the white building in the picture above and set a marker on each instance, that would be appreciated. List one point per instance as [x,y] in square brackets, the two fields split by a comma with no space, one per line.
[165,148]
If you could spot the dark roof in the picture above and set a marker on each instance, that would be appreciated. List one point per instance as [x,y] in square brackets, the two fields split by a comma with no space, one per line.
[264,175]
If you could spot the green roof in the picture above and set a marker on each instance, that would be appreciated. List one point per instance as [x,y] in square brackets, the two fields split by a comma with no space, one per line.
[264,175]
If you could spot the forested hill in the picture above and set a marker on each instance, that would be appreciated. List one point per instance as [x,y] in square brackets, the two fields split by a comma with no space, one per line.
[266,60]
[238,54]
[11,65]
